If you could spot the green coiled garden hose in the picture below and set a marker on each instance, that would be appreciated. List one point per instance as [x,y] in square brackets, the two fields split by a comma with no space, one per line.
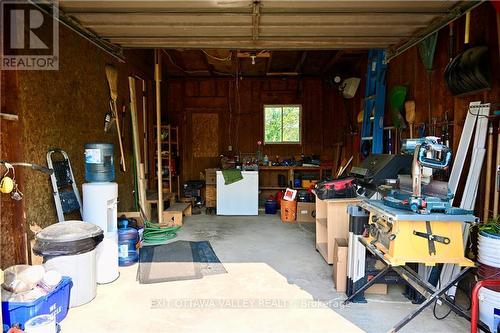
[154,234]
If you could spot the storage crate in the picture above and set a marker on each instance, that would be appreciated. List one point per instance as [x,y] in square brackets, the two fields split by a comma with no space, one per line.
[210,176]
[55,303]
[211,196]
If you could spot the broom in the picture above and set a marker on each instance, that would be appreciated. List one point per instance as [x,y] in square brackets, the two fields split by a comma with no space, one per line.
[410,115]
[112,78]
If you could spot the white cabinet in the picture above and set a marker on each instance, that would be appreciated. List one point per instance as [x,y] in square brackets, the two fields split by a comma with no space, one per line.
[239,198]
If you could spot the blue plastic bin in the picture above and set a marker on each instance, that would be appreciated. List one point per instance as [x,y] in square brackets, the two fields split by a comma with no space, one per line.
[55,303]
[271,206]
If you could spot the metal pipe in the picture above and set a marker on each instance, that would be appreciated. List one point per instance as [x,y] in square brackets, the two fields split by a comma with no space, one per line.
[453,15]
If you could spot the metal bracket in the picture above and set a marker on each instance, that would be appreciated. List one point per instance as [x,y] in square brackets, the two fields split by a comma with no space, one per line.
[454,14]
[108,47]
[431,238]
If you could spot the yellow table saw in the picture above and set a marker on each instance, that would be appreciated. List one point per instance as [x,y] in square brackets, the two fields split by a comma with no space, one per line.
[408,237]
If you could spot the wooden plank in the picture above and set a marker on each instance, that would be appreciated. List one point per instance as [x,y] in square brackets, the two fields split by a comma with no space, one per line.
[238,19]
[137,149]
[159,170]
[332,31]
[310,43]
[242,6]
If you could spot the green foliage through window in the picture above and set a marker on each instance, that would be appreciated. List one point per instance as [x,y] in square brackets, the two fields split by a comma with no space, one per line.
[282,123]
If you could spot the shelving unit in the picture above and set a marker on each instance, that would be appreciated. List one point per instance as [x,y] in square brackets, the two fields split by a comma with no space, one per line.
[332,221]
[268,176]
[170,150]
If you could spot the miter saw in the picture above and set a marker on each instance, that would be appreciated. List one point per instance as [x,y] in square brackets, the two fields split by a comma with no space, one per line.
[429,154]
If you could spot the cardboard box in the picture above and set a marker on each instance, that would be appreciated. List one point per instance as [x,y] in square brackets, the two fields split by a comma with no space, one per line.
[211,176]
[306,212]
[340,264]
[377,288]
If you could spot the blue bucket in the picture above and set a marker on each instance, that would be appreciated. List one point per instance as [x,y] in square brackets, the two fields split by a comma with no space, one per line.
[271,206]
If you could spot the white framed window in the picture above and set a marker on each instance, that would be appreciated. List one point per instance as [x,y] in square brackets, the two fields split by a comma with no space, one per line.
[282,124]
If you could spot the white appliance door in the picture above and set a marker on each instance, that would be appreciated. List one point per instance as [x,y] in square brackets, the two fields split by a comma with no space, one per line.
[240,198]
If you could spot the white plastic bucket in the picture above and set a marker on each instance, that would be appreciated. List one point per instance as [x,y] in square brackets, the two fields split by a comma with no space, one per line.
[82,270]
[489,308]
[488,249]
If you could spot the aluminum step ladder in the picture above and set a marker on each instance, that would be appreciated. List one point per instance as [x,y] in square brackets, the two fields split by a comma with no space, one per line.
[372,130]
[66,195]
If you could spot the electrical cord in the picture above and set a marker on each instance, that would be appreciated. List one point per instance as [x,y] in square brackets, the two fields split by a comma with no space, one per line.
[228,58]
[154,234]
[192,72]
[452,300]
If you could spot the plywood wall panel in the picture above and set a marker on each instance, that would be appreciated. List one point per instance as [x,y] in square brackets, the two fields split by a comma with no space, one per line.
[205,127]
[65,109]
[408,69]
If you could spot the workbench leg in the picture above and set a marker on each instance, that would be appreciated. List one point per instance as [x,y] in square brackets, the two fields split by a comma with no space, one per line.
[436,295]
[368,284]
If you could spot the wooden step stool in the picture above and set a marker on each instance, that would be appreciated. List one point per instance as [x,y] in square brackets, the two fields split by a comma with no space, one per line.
[172,216]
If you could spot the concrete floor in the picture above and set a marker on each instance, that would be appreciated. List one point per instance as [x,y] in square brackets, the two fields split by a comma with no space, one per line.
[276,282]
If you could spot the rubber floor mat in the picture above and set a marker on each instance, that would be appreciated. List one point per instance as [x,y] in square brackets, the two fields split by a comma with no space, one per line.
[179,260]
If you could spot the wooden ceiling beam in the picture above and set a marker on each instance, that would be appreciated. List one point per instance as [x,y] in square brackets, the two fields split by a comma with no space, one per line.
[261,44]
[207,63]
[269,62]
[300,62]
[255,19]
[333,61]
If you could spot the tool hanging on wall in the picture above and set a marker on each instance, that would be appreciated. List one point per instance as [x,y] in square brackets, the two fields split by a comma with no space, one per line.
[410,115]
[427,49]
[397,98]
[112,78]
[8,184]
[469,70]
[66,195]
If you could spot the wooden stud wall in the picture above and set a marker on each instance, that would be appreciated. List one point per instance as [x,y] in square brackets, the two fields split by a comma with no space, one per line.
[407,69]
[241,123]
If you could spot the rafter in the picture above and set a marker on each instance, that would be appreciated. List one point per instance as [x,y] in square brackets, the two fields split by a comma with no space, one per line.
[269,62]
[333,61]
[302,59]
[207,63]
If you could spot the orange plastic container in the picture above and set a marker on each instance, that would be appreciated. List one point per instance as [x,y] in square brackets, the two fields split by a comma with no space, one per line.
[288,211]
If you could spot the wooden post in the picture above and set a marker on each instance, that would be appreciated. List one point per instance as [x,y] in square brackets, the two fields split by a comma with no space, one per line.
[489,160]
[158,134]
[496,197]
[145,125]
[137,148]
